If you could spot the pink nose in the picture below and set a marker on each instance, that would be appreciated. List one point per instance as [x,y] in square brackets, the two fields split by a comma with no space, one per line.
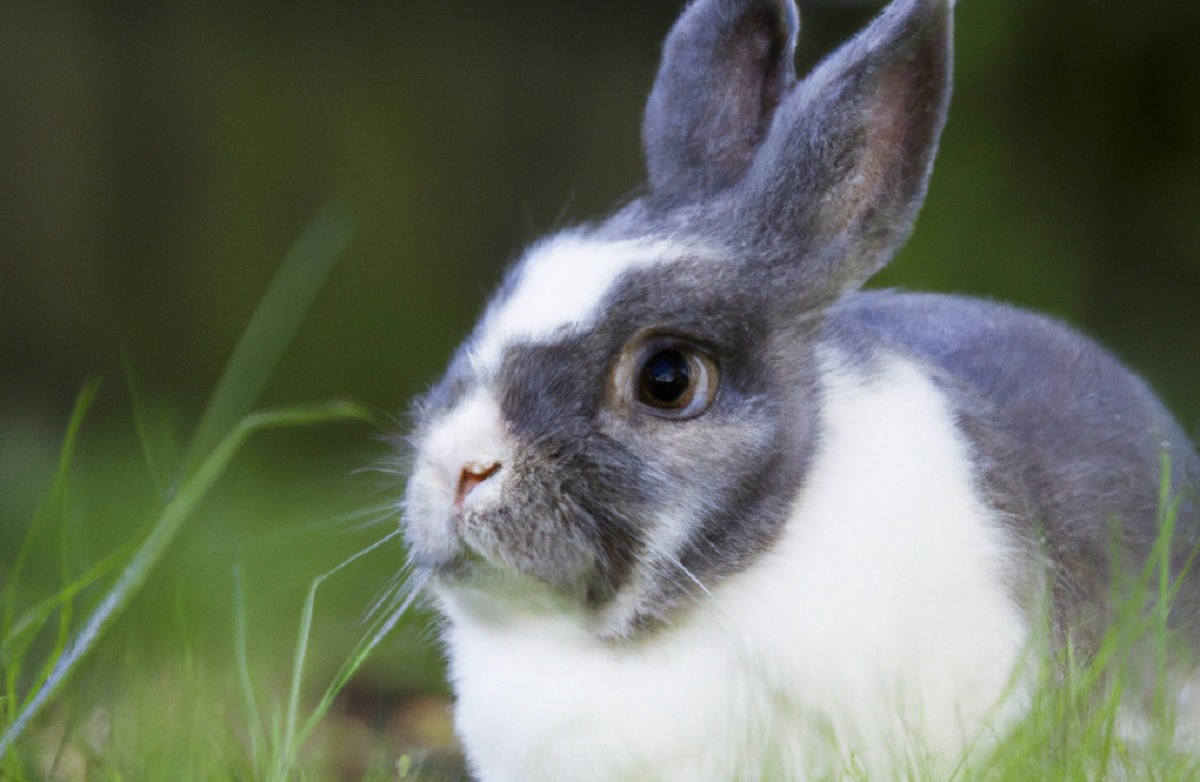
[471,476]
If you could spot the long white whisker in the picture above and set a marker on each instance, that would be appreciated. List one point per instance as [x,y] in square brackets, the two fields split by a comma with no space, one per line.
[389,595]
[412,587]
[692,576]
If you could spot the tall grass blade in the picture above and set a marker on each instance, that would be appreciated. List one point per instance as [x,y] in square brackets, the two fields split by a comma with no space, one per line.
[169,522]
[159,447]
[54,500]
[35,617]
[273,325]
[294,739]
[287,754]
[249,702]
[407,595]
[55,504]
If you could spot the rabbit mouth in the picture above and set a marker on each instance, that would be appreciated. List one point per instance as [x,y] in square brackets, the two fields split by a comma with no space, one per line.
[500,542]
[497,587]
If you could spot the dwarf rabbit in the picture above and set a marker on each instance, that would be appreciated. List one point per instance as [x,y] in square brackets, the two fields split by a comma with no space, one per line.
[697,508]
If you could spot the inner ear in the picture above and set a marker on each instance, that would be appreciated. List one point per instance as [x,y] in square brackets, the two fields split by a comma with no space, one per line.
[841,175]
[888,157]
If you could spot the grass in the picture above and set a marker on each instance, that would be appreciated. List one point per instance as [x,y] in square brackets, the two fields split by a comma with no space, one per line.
[85,697]
[45,645]
[1112,716]
[227,720]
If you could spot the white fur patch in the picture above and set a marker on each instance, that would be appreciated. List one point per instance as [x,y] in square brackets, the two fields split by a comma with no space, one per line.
[472,434]
[879,627]
[560,284]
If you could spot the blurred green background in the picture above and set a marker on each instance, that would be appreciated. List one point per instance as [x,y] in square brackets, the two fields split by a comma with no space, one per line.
[157,159]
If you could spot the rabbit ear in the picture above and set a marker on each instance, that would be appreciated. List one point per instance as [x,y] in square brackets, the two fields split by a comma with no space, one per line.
[819,180]
[842,172]
[726,65]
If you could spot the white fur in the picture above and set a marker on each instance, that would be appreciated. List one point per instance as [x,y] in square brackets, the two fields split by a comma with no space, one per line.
[560,285]
[877,628]
[473,434]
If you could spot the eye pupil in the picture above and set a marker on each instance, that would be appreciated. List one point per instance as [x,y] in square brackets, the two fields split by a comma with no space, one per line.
[666,379]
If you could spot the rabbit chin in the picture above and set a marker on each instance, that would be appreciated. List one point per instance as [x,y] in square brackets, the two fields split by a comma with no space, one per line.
[878,632]
[481,588]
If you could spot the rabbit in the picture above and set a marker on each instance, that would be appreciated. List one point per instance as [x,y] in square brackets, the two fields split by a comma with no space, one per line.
[696,507]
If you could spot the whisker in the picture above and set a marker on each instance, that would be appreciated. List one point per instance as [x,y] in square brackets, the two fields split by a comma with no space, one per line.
[363,552]
[410,589]
[389,595]
[692,576]
[335,525]
[374,517]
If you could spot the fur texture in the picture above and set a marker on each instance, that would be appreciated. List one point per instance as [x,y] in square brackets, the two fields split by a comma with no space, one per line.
[698,509]
[877,631]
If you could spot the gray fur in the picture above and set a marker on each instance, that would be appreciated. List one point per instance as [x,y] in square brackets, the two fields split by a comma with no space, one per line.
[725,68]
[805,190]
[587,484]
[839,175]
[1067,441]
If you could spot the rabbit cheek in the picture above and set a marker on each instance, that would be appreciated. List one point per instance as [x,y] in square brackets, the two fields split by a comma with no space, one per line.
[548,528]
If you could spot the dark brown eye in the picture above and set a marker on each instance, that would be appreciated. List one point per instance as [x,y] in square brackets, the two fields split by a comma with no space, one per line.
[666,380]
[676,382]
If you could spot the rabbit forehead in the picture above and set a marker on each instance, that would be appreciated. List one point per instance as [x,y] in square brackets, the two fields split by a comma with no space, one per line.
[561,285]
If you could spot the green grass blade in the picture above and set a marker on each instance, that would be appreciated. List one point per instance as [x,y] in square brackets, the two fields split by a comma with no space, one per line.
[273,325]
[181,506]
[54,504]
[253,717]
[294,739]
[17,641]
[379,630]
[66,606]
[287,752]
[54,498]
[290,744]
[159,448]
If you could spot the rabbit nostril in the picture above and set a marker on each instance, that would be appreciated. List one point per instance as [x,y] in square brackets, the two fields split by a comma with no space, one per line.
[471,476]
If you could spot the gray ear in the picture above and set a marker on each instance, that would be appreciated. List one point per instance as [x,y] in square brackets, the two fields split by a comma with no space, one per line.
[726,65]
[831,170]
[843,171]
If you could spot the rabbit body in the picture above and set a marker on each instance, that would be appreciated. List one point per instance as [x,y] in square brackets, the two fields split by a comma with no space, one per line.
[891,624]
[698,509]
[882,619]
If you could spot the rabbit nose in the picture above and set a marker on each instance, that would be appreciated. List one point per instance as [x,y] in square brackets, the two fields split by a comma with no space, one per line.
[473,474]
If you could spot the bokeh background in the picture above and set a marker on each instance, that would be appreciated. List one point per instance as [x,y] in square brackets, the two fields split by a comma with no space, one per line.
[157,159]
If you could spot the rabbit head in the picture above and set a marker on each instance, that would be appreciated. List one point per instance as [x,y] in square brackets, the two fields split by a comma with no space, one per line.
[637,407]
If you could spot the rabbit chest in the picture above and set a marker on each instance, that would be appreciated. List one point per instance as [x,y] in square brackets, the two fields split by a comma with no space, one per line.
[878,632]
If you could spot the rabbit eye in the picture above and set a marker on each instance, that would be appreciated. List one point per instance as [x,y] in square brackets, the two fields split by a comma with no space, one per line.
[676,382]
